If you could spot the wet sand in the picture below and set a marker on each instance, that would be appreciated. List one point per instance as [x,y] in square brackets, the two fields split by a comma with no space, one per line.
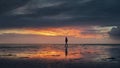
[53,56]
[26,63]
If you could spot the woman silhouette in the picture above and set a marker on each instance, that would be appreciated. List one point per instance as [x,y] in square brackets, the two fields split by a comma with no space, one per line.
[66,40]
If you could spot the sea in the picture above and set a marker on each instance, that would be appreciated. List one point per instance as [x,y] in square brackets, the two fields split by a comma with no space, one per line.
[59,56]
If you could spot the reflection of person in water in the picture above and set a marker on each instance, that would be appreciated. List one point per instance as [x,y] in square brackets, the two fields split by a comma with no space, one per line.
[66,51]
[66,46]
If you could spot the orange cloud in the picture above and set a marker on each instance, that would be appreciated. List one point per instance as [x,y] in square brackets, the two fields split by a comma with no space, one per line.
[64,31]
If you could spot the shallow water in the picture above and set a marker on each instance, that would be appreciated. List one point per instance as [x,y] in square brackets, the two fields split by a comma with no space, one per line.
[86,53]
[52,53]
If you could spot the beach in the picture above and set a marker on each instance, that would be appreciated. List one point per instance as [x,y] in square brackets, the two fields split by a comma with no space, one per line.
[54,56]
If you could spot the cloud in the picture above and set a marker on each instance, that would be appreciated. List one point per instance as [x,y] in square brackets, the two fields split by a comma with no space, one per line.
[7,5]
[78,32]
[57,13]
[29,38]
[115,33]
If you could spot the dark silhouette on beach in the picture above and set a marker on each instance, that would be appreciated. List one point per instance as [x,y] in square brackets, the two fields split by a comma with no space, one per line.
[66,40]
[66,46]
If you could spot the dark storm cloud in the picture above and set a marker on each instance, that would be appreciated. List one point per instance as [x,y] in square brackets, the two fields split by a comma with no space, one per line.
[7,5]
[45,13]
[115,33]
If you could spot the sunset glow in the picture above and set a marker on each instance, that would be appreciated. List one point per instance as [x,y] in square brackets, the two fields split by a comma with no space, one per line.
[59,33]
[69,31]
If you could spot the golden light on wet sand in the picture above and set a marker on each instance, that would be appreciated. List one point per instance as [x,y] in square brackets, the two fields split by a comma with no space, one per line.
[50,53]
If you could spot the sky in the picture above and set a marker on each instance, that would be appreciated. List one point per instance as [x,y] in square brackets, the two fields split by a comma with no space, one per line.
[49,21]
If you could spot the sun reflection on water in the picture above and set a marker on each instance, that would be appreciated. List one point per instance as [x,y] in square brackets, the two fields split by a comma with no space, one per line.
[51,53]
[58,52]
